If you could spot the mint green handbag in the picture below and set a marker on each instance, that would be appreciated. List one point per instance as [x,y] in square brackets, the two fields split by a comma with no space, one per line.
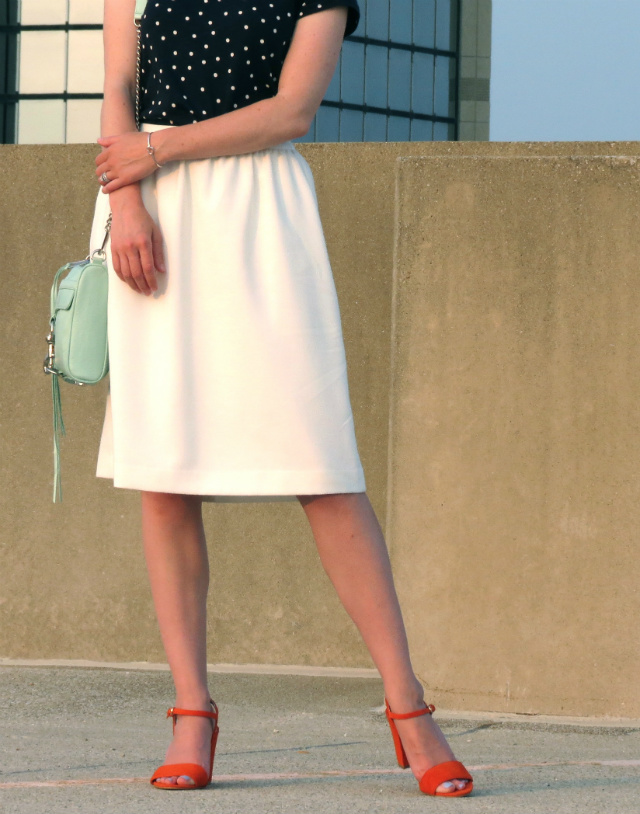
[77,339]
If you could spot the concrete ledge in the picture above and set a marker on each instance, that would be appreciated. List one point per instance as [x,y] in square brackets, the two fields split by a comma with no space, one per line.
[240,669]
[472,719]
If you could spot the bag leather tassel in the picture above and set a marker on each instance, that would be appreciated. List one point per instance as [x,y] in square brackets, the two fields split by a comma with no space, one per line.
[58,431]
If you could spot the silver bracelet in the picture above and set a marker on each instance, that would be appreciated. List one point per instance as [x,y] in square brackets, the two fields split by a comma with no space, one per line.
[152,151]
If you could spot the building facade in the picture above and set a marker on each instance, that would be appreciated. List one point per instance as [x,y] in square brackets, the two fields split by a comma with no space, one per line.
[410,72]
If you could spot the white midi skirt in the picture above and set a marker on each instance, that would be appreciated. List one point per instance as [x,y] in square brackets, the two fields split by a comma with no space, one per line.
[230,381]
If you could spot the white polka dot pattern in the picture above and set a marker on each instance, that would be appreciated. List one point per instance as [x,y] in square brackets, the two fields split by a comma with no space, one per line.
[202,58]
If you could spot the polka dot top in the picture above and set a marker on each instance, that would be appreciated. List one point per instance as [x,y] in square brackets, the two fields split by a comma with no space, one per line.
[202,58]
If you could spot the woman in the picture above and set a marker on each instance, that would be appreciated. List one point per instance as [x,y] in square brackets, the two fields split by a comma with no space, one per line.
[228,377]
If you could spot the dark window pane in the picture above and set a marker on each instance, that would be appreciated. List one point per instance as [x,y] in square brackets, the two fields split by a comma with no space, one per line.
[442,131]
[422,84]
[375,127]
[400,20]
[376,69]
[351,125]
[377,19]
[421,130]
[424,23]
[328,124]
[399,79]
[443,88]
[333,91]
[445,28]
[352,73]
[399,129]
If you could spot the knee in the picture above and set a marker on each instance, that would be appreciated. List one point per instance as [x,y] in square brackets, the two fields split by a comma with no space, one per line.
[167,506]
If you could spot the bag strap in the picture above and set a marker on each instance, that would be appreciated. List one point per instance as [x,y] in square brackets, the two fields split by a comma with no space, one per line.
[139,10]
[137,17]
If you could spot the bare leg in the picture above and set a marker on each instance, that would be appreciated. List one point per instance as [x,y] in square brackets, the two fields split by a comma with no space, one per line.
[177,562]
[354,555]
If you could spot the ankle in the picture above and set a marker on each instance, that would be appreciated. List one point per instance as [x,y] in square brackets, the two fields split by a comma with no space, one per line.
[405,697]
[195,700]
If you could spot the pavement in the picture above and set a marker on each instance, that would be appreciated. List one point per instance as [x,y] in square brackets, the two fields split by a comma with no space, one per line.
[87,740]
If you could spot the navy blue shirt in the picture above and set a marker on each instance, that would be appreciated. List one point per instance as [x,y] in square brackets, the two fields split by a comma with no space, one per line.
[202,58]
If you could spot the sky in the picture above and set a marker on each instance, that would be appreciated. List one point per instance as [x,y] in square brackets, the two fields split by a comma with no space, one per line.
[565,70]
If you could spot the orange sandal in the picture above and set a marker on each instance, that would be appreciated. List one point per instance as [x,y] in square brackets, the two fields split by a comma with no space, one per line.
[193,770]
[433,777]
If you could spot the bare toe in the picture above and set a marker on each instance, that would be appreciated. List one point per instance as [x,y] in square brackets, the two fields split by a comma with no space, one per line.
[451,785]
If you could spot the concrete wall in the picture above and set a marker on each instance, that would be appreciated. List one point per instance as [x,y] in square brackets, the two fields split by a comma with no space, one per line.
[515,444]
[511,511]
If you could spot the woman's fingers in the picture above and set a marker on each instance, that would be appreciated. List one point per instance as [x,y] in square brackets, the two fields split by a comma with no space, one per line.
[103,169]
[137,273]
[114,184]
[146,265]
[131,270]
[124,274]
[158,249]
[135,247]
[127,274]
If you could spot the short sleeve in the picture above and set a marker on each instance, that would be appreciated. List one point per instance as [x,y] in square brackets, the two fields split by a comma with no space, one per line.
[306,7]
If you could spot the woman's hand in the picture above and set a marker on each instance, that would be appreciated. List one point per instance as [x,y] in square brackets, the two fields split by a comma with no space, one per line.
[136,245]
[125,160]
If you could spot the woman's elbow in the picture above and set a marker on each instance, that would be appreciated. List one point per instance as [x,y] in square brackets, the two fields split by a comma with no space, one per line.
[300,126]
[295,113]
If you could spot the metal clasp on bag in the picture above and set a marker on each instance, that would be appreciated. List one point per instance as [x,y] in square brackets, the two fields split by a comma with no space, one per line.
[50,358]
[101,253]
[51,355]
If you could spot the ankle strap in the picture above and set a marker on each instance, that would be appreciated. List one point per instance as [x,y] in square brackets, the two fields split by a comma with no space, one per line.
[173,712]
[428,710]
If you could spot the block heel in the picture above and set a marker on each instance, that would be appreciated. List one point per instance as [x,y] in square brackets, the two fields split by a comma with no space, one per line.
[441,773]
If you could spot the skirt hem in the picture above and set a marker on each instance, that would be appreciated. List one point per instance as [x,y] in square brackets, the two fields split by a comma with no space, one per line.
[273,484]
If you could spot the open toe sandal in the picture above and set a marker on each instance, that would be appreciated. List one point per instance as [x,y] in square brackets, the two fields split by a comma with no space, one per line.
[441,773]
[193,770]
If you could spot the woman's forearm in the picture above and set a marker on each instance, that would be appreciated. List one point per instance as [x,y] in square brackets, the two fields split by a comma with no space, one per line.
[254,127]
[117,116]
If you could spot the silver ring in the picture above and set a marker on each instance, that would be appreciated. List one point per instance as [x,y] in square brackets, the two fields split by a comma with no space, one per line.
[104,178]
